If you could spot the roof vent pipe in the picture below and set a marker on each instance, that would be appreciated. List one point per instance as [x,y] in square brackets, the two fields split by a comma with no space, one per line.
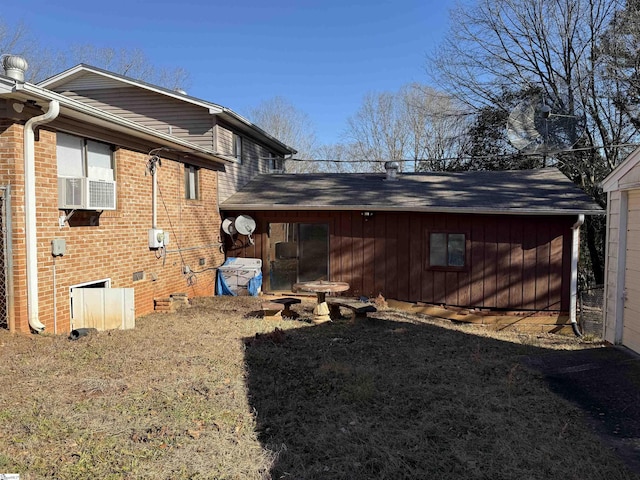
[14,67]
[392,170]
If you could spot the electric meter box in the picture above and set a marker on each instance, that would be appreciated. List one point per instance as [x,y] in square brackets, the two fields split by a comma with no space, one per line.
[58,247]
[156,238]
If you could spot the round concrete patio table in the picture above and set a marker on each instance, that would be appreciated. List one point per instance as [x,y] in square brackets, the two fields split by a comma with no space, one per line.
[321,288]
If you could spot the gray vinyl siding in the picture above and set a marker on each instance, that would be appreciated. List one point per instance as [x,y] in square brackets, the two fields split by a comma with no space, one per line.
[185,120]
[237,175]
[168,115]
[88,81]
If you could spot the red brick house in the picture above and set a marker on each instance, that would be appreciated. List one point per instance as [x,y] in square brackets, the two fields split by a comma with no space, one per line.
[110,196]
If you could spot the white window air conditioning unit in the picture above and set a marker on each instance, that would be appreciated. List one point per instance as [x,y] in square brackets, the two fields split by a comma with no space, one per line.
[71,193]
[101,194]
[80,193]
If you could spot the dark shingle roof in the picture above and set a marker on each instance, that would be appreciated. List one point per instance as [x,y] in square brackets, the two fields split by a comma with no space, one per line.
[543,191]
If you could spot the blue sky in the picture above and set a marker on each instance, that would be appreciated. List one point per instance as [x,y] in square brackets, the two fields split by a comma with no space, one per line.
[322,56]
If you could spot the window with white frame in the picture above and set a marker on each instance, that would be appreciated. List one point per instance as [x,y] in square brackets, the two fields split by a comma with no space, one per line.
[237,147]
[83,157]
[191,182]
[86,177]
[447,250]
[276,164]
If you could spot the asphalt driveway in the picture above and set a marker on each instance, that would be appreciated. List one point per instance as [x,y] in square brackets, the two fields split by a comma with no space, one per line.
[605,383]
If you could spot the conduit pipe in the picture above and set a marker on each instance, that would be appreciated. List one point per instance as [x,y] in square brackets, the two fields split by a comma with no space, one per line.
[575,252]
[30,211]
[154,196]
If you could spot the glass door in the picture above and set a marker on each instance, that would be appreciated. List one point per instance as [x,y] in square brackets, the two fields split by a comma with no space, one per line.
[313,252]
[298,252]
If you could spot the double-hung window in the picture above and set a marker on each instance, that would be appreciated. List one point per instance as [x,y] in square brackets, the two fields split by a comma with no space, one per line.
[447,250]
[237,147]
[276,164]
[82,157]
[86,178]
[191,182]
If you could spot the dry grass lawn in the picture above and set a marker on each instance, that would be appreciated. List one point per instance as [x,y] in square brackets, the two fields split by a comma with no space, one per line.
[197,394]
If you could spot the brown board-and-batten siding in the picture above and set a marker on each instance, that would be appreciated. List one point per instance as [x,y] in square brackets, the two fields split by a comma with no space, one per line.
[511,262]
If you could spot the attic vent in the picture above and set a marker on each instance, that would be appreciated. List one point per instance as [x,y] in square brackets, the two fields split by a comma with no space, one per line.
[14,67]
[392,170]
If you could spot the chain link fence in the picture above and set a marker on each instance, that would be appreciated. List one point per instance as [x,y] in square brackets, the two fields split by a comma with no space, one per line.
[5,234]
[590,306]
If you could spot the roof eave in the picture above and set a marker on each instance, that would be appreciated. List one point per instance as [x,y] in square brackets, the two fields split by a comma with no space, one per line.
[212,108]
[85,112]
[612,181]
[371,208]
[61,78]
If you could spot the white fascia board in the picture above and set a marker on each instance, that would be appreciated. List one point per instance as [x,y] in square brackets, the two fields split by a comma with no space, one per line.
[6,85]
[75,109]
[610,183]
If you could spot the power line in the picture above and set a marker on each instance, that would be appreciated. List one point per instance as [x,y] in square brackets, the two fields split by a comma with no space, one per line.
[460,157]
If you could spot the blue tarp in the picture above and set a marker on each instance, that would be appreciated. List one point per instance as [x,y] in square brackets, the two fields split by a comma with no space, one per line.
[253,285]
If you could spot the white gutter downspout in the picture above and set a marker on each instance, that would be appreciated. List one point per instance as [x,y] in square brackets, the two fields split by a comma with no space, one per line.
[575,252]
[30,211]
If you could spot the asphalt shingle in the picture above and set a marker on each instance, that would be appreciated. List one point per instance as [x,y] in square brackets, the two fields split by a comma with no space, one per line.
[542,191]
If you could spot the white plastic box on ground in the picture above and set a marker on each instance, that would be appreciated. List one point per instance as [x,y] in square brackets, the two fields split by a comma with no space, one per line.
[236,273]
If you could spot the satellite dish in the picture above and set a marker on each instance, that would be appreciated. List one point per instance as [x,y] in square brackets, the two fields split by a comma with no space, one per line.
[245,225]
[542,124]
[228,226]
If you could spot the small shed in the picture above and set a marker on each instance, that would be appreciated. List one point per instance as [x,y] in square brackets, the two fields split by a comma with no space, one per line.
[622,277]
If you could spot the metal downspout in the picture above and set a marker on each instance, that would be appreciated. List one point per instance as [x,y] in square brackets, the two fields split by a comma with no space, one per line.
[575,252]
[30,211]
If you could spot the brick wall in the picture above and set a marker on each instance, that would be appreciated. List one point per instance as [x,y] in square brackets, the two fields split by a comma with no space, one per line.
[113,244]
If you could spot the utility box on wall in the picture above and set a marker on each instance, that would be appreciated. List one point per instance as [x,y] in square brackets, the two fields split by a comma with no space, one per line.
[58,247]
[158,238]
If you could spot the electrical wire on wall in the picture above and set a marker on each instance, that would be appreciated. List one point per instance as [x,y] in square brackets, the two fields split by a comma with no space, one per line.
[190,275]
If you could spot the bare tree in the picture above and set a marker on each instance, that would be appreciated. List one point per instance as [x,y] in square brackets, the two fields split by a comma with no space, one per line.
[437,126]
[502,46]
[339,158]
[17,40]
[417,125]
[131,63]
[510,45]
[14,40]
[378,131]
[280,118]
[44,62]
